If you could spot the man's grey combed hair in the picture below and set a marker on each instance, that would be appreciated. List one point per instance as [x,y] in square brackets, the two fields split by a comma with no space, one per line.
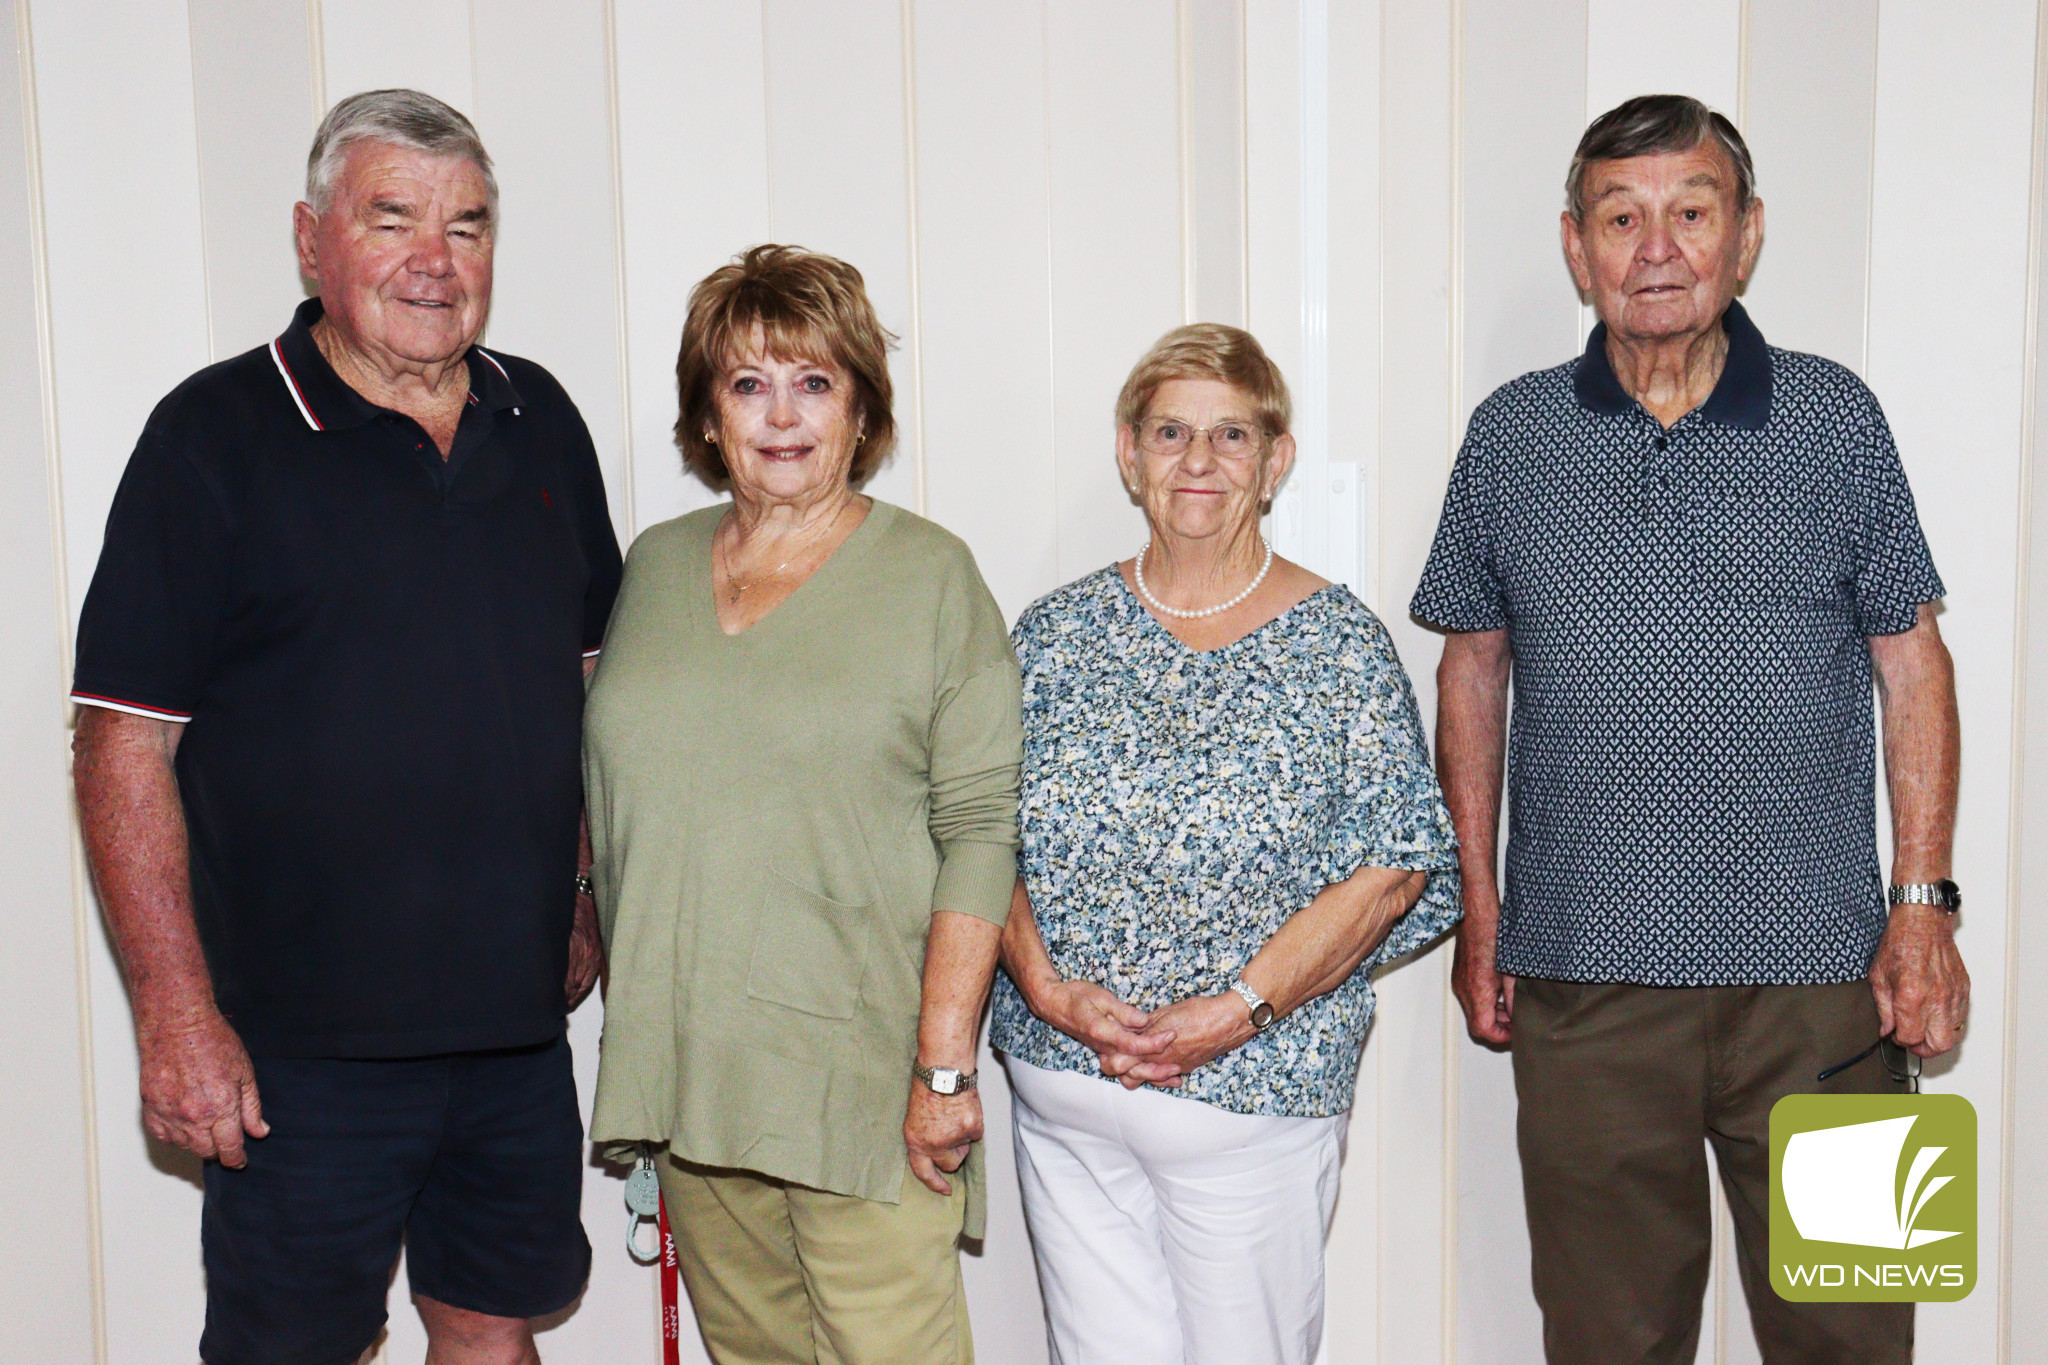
[404,118]
[1648,125]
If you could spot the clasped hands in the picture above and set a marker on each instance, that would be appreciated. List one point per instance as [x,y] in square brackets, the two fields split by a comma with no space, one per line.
[1137,1048]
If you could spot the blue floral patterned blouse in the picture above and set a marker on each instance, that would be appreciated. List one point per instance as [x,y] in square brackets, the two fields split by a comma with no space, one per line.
[1178,806]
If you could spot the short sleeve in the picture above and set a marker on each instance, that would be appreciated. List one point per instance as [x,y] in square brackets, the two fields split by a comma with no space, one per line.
[599,541]
[1459,588]
[1894,569]
[153,615]
[1392,811]
[977,742]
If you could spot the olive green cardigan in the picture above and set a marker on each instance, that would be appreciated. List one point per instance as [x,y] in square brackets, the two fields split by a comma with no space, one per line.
[775,816]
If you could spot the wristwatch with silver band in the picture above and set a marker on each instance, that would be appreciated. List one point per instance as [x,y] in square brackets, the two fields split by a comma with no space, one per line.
[1262,1013]
[945,1080]
[1944,894]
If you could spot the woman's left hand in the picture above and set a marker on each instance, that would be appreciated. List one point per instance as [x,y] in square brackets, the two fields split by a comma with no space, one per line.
[1204,1027]
[938,1130]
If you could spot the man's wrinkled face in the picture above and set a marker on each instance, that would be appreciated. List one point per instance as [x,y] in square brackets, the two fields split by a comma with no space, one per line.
[402,253]
[1663,247]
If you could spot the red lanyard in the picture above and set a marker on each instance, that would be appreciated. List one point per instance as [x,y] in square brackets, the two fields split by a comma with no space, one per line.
[671,1315]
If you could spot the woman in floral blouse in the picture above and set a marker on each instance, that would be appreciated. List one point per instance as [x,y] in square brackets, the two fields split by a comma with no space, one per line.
[1229,819]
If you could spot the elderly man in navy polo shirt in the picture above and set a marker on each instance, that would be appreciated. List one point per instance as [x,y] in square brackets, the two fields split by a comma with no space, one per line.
[1693,553]
[331,682]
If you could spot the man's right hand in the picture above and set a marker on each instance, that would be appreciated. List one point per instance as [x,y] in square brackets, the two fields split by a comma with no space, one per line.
[199,1089]
[1487,996]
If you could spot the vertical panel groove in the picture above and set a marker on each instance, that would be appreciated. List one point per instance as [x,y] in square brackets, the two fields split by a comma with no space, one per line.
[199,176]
[1870,204]
[1453,1015]
[611,97]
[1373,552]
[316,57]
[81,910]
[1244,154]
[767,129]
[1184,61]
[2022,631]
[907,19]
[1052,357]
[1742,66]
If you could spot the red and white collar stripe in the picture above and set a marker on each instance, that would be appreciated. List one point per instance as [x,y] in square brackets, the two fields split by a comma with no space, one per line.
[291,385]
[494,363]
[291,381]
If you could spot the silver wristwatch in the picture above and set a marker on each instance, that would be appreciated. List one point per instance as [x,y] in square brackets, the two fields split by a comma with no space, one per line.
[1262,1013]
[945,1080]
[1944,893]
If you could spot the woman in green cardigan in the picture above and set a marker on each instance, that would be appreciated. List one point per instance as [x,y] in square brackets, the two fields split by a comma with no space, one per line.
[801,752]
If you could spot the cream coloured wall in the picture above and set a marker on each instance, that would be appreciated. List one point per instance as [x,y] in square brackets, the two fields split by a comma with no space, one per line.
[1035,190]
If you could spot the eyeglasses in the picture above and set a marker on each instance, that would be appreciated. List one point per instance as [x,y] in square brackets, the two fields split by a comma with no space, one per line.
[1170,438]
[1903,1065]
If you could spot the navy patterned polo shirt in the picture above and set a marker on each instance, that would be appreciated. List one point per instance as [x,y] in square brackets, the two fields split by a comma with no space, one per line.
[1691,759]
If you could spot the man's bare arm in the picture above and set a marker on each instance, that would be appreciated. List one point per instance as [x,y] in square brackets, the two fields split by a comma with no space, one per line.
[1471,758]
[1922,988]
[586,940]
[198,1087]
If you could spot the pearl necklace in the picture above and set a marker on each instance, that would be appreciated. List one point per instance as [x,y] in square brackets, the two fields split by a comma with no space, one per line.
[1138,572]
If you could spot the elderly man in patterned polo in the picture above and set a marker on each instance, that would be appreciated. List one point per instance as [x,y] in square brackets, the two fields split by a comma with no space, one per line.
[1693,553]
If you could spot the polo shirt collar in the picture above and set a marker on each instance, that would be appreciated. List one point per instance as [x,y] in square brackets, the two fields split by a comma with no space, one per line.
[329,404]
[1741,397]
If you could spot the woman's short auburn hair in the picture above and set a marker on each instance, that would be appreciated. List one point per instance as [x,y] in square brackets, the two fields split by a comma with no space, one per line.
[808,306]
[1209,350]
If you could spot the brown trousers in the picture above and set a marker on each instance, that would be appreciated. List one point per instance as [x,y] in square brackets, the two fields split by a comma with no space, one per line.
[1622,1089]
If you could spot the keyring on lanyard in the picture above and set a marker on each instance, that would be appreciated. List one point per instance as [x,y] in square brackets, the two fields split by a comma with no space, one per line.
[644,1201]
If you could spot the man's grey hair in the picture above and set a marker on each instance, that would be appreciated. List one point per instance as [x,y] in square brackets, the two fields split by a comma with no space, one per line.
[404,118]
[1648,125]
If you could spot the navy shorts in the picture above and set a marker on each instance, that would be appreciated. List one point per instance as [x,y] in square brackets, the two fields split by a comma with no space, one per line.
[474,1160]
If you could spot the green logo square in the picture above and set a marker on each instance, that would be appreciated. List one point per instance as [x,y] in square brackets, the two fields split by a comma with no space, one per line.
[1873,1198]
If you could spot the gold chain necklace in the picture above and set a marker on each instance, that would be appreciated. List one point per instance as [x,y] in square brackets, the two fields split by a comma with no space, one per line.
[735,588]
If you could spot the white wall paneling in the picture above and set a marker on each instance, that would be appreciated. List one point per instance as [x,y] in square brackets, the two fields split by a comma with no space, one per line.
[1654,47]
[253,92]
[49,1308]
[1117,256]
[1955,105]
[1524,100]
[2023,1308]
[693,172]
[1212,137]
[1810,92]
[985,250]
[1034,192]
[376,44]
[127,298]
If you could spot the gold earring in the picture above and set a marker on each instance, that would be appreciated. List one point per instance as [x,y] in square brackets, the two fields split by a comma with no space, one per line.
[709,439]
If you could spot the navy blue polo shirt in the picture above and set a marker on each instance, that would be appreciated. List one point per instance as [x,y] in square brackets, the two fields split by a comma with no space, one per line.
[1691,770]
[377,658]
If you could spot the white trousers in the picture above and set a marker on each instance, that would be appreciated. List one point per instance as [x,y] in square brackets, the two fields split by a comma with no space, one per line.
[1171,1232]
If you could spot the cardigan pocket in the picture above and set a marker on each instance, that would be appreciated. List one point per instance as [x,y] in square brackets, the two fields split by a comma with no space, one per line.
[810,951]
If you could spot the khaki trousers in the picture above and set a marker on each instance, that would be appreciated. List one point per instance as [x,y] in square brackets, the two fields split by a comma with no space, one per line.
[1622,1089]
[783,1275]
